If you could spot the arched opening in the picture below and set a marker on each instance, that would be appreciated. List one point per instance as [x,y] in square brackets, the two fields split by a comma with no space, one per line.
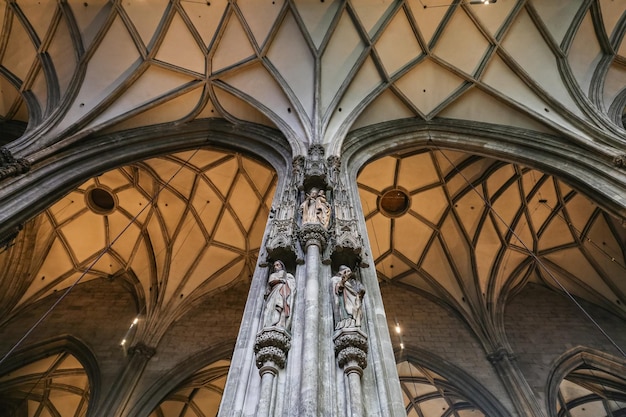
[590,391]
[432,387]
[57,385]
[197,396]
[183,235]
[184,225]
[478,229]
[586,382]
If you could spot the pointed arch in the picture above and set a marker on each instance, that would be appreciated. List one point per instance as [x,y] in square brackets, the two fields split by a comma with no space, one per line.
[587,378]
[58,372]
[193,372]
[463,390]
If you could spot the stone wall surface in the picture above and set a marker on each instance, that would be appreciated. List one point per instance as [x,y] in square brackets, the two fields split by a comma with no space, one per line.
[213,322]
[97,312]
[433,328]
[542,325]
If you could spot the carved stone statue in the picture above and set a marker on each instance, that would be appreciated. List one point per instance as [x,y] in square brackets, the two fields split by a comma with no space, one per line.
[348,295]
[279,296]
[315,208]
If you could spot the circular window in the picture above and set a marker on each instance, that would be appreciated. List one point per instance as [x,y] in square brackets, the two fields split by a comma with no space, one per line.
[394,203]
[100,200]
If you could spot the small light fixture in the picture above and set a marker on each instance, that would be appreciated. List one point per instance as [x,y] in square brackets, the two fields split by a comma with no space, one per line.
[482,1]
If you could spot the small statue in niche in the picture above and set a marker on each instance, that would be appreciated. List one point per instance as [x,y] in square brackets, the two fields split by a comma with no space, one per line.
[279,297]
[348,295]
[315,208]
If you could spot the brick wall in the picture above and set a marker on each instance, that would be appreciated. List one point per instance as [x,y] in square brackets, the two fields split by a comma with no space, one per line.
[542,324]
[97,312]
[429,326]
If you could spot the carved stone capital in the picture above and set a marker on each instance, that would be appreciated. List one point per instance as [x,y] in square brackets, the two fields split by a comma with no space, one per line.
[271,347]
[499,355]
[351,350]
[142,349]
[313,234]
[11,167]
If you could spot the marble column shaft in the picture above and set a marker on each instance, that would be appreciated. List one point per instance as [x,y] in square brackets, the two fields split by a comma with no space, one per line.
[310,354]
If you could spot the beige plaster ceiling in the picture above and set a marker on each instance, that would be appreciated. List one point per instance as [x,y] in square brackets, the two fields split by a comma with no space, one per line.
[315,70]
[477,230]
[183,226]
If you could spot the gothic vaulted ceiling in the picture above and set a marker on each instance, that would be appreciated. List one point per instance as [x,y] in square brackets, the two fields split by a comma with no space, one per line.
[175,228]
[316,70]
[474,230]
[313,69]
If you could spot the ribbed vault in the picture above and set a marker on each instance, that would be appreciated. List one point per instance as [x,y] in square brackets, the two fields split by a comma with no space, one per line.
[174,228]
[55,386]
[588,391]
[198,396]
[315,70]
[428,394]
[476,230]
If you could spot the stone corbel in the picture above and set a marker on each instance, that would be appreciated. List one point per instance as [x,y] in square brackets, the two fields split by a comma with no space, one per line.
[271,347]
[143,350]
[7,241]
[499,355]
[11,167]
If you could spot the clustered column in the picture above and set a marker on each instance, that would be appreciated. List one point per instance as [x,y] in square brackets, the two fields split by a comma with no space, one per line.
[313,239]
[313,232]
